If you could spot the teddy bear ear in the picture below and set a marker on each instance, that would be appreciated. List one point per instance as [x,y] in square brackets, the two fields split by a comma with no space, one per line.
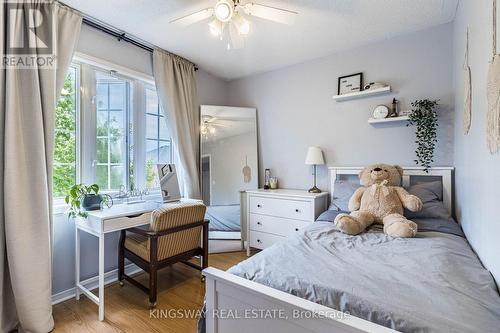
[400,170]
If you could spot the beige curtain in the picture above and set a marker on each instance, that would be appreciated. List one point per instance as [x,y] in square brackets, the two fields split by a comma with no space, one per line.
[176,86]
[28,96]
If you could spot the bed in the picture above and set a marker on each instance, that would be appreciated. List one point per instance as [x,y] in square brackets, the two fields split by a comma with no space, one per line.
[224,218]
[325,281]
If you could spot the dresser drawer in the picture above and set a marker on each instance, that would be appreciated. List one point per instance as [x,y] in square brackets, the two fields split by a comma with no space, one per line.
[261,240]
[125,222]
[292,209]
[276,225]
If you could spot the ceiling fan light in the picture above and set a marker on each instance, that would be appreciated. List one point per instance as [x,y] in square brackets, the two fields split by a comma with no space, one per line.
[223,10]
[241,24]
[216,27]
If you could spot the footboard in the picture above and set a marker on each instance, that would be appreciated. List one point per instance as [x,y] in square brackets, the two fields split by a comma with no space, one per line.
[234,304]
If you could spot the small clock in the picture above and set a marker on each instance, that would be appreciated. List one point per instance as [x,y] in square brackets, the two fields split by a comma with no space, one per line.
[381,111]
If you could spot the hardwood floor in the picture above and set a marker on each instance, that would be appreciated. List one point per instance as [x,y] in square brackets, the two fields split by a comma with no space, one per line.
[179,288]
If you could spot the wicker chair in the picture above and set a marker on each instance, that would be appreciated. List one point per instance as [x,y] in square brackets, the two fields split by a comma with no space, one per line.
[174,235]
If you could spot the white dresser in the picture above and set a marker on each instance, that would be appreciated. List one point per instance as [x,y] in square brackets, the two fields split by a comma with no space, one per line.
[272,215]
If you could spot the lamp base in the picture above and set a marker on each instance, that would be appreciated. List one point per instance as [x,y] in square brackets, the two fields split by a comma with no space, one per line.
[314,190]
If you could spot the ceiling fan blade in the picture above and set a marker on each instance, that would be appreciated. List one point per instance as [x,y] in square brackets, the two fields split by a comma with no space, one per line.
[237,41]
[275,14]
[194,17]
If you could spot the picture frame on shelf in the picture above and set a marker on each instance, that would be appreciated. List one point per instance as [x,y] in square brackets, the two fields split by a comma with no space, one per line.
[350,83]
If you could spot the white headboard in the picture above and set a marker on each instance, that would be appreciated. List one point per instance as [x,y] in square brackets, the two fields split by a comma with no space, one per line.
[446,174]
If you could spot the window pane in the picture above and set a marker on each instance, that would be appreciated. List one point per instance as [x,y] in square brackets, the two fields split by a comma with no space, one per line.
[164,152]
[102,150]
[65,140]
[117,176]
[112,132]
[102,123]
[102,96]
[151,101]
[117,96]
[164,133]
[152,150]
[151,126]
[116,153]
[101,175]
[116,123]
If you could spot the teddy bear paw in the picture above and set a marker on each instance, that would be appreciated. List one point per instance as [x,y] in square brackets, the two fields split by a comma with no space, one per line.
[404,229]
[414,203]
[347,224]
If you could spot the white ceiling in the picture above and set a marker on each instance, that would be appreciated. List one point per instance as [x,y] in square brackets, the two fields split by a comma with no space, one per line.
[322,27]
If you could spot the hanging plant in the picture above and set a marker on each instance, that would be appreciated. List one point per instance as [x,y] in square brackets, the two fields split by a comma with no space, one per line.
[424,117]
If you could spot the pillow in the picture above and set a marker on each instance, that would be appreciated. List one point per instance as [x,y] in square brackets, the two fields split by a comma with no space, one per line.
[431,194]
[343,191]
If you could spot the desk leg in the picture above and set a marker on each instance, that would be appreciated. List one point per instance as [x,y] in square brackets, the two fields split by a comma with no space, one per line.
[101,277]
[77,262]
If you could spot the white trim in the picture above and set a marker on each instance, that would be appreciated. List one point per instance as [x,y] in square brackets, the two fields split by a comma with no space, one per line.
[93,283]
[109,66]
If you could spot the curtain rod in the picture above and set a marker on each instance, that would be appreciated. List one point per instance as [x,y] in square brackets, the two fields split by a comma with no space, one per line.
[120,36]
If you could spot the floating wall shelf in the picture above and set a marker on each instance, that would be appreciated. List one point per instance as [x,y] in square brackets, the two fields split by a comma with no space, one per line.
[388,120]
[362,94]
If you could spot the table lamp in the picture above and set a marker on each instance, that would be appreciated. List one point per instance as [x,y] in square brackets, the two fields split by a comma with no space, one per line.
[314,157]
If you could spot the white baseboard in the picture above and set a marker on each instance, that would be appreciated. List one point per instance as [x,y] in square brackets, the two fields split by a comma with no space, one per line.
[233,235]
[93,283]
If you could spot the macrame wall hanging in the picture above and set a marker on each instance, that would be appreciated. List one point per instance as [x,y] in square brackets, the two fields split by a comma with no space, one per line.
[467,88]
[493,93]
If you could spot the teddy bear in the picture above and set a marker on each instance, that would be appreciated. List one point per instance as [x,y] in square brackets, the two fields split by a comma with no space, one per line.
[381,200]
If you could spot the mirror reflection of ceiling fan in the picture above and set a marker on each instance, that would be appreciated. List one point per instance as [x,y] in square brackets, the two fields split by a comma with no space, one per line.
[208,125]
[230,19]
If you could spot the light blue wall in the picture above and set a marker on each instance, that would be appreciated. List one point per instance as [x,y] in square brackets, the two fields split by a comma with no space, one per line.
[295,109]
[477,171]
[211,90]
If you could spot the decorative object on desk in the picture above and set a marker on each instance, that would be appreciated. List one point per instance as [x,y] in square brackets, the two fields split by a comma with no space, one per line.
[424,116]
[493,92]
[247,172]
[467,88]
[169,184]
[380,111]
[267,179]
[82,198]
[374,85]
[135,194]
[350,83]
[395,108]
[314,157]
[273,183]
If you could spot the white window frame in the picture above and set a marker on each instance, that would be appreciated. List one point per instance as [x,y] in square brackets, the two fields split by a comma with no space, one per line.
[86,121]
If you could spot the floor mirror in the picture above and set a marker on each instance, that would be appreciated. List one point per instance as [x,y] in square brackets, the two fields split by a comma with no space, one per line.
[229,166]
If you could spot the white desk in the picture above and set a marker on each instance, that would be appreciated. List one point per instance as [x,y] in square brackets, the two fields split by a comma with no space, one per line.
[101,222]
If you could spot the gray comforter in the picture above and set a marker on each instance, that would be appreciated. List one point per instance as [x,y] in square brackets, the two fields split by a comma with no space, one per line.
[431,283]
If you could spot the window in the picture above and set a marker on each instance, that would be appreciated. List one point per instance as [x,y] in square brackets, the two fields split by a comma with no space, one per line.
[112,109]
[158,143]
[66,140]
[121,123]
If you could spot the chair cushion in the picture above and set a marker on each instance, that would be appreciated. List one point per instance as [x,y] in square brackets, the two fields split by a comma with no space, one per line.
[137,244]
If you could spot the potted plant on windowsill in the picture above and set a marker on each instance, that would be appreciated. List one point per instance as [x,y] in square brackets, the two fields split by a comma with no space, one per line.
[83,198]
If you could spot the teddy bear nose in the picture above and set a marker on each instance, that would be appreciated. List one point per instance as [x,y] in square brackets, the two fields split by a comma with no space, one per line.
[377,169]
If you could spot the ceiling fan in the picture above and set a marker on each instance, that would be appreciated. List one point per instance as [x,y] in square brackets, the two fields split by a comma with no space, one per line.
[230,19]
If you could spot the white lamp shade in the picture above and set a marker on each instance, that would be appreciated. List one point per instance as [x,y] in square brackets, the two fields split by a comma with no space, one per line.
[314,156]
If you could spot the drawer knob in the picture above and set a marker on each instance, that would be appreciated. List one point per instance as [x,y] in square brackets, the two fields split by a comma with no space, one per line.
[259,206]
[297,210]
[259,241]
[296,229]
[259,223]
